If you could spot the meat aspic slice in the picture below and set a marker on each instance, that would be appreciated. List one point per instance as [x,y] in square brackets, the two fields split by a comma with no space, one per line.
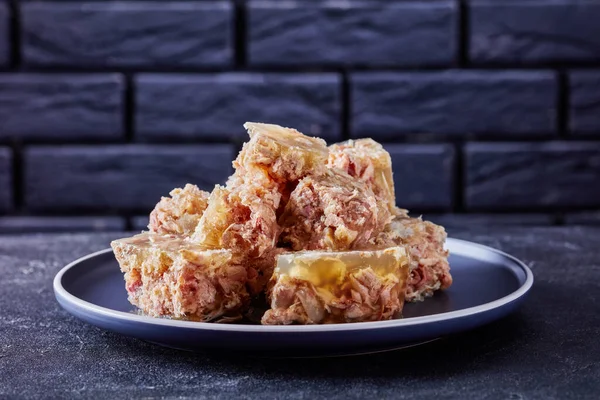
[332,211]
[424,241]
[368,161]
[286,154]
[249,232]
[166,275]
[316,287]
[180,213]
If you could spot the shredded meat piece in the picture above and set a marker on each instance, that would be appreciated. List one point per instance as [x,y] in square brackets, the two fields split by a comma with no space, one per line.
[180,213]
[332,212]
[368,161]
[249,231]
[294,314]
[365,296]
[314,287]
[168,276]
[229,223]
[424,240]
[285,153]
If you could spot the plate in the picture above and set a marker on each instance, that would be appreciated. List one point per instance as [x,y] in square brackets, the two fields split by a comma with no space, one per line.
[488,284]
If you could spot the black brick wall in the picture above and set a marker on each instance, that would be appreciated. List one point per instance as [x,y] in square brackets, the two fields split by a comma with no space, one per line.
[345,34]
[127,34]
[506,103]
[490,109]
[215,106]
[61,107]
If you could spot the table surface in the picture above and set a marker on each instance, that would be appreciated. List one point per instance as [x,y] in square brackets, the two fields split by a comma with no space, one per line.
[549,349]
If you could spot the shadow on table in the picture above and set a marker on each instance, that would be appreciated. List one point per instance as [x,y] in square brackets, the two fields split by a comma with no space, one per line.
[451,354]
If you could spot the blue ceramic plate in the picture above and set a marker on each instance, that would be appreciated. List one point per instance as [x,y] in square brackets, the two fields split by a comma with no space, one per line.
[488,284]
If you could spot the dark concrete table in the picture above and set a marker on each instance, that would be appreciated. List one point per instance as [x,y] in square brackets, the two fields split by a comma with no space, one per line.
[549,349]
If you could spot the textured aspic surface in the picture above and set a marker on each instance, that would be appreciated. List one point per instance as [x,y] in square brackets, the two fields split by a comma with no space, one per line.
[249,231]
[368,161]
[424,241]
[180,213]
[315,287]
[166,275]
[332,211]
[286,154]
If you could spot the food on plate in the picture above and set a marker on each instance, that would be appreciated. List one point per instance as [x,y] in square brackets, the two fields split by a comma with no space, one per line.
[325,216]
[229,222]
[314,287]
[180,213]
[332,211]
[166,275]
[286,154]
[247,228]
[242,216]
[366,160]
[424,241]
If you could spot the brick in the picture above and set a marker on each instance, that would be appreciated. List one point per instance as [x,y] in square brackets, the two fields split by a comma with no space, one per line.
[583,218]
[532,175]
[534,31]
[139,223]
[342,33]
[61,106]
[30,224]
[115,178]
[4,33]
[127,34]
[506,103]
[584,107]
[423,175]
[6,180]
[215,106]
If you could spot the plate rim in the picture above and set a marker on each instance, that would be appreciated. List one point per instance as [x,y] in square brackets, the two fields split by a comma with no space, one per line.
[62,294]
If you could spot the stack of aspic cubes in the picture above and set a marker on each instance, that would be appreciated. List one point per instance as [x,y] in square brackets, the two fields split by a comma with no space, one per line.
[316,228]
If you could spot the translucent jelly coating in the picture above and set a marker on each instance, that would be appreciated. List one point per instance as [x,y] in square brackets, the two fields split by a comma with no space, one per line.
[180,213]
[242,215]
[286,154]
[249,231]
[334,287]
[424,241]
[332,211]
[367,160]
[169,276]
[229,223]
